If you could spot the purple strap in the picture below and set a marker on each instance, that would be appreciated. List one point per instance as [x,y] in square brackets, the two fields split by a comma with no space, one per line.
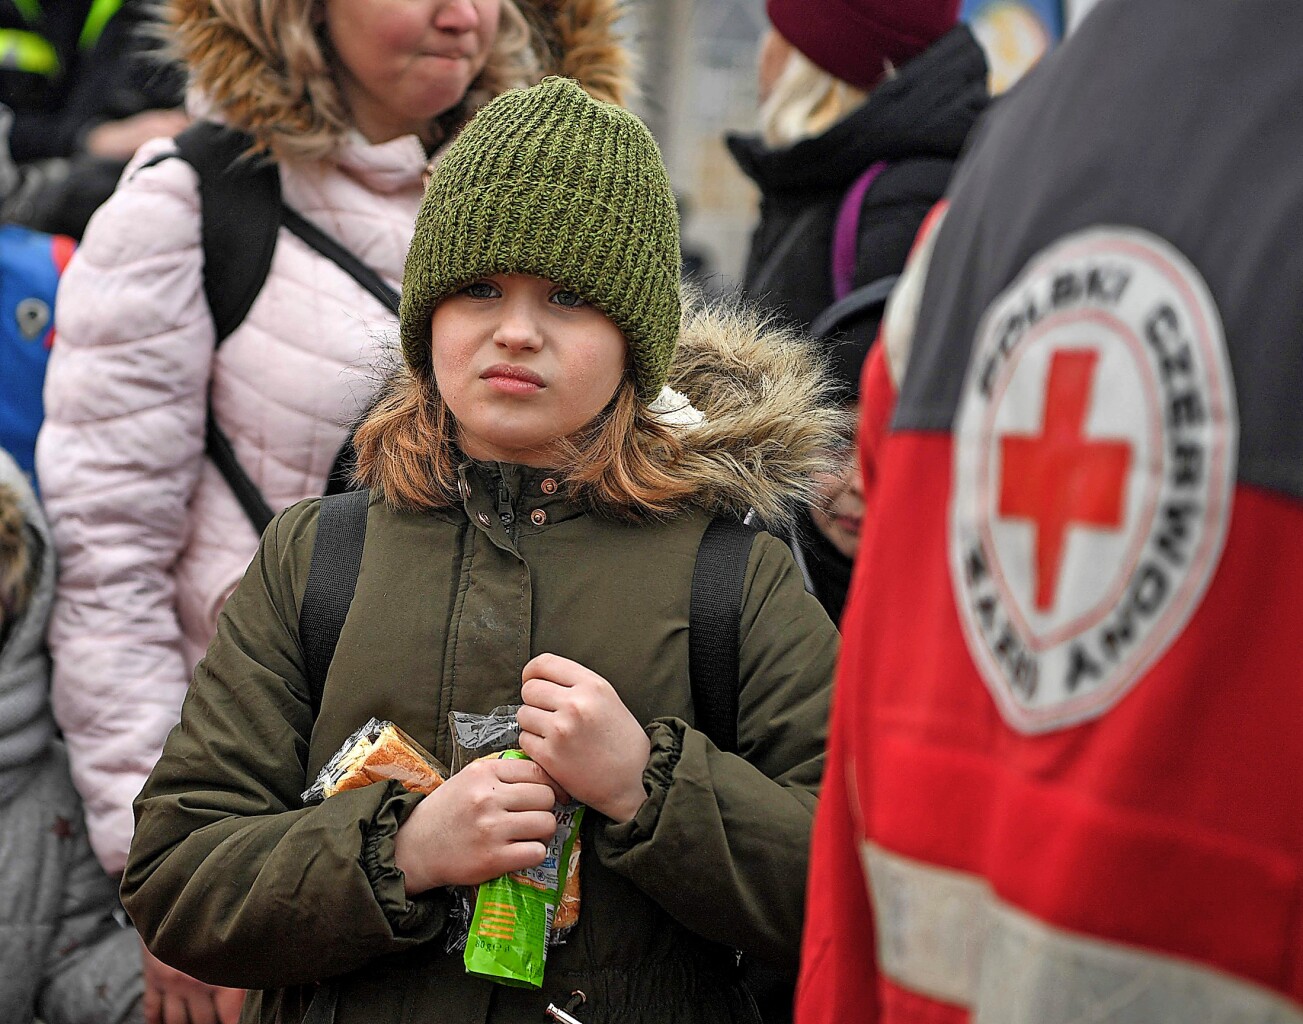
[846,232]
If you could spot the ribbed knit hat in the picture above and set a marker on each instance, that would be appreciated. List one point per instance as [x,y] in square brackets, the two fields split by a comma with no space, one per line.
[850,39]
[551,182]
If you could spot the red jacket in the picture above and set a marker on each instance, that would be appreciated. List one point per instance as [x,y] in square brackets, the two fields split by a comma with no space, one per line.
[1066,770]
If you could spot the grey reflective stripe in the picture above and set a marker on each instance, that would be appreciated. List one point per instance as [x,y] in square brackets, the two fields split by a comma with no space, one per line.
[946,935]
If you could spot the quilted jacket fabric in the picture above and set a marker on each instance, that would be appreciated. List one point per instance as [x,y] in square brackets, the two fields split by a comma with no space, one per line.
[150,538]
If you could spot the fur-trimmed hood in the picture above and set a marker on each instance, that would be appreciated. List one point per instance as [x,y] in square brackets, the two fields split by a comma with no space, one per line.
[769,421]
[274,80]
[27,576]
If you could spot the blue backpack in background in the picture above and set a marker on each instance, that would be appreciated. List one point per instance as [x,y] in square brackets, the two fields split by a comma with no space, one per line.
[30,265]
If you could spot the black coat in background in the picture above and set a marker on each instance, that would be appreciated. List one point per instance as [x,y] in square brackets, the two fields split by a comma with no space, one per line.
[917,122]
[122,74]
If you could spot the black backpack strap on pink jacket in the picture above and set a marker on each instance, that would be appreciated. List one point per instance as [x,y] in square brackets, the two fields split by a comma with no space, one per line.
[241,214]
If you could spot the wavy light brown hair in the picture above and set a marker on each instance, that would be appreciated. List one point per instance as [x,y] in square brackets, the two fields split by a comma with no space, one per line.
[267,66]
[623,463]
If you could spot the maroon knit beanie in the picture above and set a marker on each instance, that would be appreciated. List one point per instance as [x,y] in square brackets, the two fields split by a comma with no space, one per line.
[851,38]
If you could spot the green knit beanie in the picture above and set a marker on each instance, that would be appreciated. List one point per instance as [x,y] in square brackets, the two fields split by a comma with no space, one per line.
[551,182]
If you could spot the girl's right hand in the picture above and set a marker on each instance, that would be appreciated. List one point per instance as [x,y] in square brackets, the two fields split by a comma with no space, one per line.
[492,817]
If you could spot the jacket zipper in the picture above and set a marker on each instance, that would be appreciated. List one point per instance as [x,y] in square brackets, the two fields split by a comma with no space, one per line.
[505,512]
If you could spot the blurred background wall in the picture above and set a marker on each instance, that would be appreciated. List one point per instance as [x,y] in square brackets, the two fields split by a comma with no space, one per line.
[698,83]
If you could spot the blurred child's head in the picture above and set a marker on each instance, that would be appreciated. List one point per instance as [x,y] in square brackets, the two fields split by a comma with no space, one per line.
[838,511]
[541,301]
[15,560]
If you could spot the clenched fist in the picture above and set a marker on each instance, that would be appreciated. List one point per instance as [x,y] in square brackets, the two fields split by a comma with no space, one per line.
[574,724]
[491,818]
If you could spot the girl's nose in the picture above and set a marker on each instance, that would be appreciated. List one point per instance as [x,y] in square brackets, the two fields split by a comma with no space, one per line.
[457,16]
[518,330]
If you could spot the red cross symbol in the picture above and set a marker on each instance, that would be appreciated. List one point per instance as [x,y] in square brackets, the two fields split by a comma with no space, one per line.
[1060,478]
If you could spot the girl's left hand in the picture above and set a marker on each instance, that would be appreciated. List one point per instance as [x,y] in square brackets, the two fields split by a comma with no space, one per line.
[573,723]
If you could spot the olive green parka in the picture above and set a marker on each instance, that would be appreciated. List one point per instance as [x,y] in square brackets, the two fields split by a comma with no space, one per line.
[234,881]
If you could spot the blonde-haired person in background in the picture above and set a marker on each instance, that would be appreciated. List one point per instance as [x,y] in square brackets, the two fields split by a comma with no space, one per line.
[353,99]
[865,105]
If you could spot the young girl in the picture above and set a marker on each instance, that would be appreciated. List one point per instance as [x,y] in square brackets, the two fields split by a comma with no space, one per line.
[538,500]
[352,99]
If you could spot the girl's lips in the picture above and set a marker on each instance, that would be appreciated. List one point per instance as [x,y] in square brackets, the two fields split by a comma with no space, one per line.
[514,380]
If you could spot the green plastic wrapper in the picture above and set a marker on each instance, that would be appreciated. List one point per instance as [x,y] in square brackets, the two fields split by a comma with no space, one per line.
[508,931]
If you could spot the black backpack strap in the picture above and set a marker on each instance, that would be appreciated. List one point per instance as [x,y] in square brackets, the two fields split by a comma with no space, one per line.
[218,448]
[342,256]
[239,199]
[713,627]
[859,303]
[241,213]
[332,580]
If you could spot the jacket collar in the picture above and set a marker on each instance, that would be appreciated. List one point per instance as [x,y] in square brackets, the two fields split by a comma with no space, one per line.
[513,496]
[385,167]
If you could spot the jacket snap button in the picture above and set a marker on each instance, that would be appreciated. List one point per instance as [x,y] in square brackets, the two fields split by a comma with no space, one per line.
[484,519]
[538,517]
[549,486]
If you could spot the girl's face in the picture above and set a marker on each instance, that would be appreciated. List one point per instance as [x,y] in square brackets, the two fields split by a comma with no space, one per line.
[523,363]
[838,511]
[401,63]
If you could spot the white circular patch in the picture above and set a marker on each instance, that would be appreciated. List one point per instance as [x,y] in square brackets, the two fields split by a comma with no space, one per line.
[1094,461]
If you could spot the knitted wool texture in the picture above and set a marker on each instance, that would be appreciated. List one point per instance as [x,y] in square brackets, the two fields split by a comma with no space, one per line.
[550,182]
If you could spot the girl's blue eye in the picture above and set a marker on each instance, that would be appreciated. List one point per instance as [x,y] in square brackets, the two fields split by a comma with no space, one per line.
[480,290]
[571,300]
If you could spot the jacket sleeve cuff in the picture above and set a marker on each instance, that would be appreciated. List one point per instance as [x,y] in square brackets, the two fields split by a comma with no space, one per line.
[420,917]
[666,735]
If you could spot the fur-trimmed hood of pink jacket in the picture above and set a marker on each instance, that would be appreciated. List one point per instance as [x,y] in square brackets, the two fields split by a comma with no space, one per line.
[150,539]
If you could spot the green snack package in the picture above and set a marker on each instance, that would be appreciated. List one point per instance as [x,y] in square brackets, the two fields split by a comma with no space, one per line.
[508,931]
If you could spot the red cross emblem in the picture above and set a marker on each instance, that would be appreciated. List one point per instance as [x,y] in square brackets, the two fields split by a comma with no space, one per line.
[1061,478]
[1087,517]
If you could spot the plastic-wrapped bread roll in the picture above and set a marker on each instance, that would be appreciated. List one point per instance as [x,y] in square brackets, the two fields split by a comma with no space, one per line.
[377,752]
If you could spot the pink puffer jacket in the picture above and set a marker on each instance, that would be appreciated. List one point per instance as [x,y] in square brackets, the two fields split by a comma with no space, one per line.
[150,539]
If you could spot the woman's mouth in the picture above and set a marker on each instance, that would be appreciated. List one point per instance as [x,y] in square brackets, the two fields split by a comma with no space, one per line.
[447,54]
[512,380]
